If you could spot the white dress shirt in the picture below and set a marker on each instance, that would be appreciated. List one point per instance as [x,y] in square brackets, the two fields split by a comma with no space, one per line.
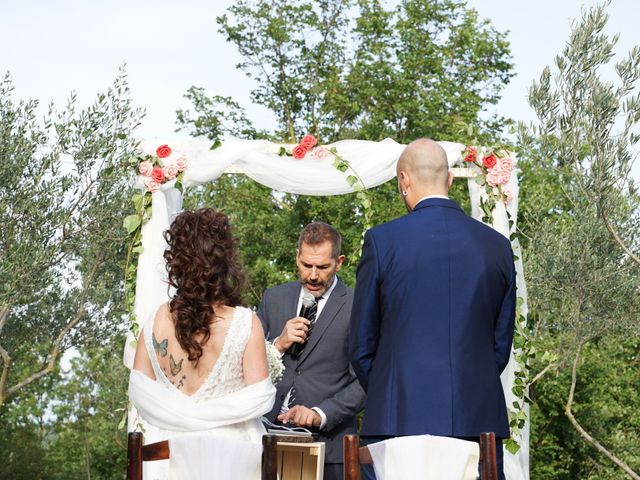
[321,303]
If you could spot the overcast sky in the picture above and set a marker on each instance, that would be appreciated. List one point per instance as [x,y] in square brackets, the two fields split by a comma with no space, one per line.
[54,46]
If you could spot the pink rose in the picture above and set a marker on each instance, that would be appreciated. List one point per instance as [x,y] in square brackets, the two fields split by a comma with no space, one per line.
[500,173]
[494,177]
[508,194]
[163,151]
[490,161]
[170,170]
[506,165]
[157,174]
[145,168]
[308,141]
[319,152]
[181,163]
[151,184]
[299,151]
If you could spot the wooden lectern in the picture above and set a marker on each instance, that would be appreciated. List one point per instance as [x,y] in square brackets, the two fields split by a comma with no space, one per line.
[300,458]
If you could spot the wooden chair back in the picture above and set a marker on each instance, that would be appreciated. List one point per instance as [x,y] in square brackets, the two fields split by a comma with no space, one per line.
[138,453]
[488,465]
[355,456]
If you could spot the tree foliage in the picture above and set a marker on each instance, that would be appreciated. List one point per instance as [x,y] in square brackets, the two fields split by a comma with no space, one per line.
[77,436]
[62,195]
[606,400]
[344,69]
[583,279]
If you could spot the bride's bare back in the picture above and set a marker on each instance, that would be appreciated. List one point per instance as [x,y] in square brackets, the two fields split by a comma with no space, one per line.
[233,356]
[174,360]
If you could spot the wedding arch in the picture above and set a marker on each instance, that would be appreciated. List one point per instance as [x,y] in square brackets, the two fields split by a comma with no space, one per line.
[166,166]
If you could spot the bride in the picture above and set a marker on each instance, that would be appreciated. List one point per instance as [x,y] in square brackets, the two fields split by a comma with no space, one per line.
[200,370]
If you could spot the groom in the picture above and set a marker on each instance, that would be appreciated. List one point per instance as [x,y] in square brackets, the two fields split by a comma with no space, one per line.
[433,314]
[319,390]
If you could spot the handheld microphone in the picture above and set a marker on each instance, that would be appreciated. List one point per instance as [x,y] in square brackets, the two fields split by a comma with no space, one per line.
[308,304]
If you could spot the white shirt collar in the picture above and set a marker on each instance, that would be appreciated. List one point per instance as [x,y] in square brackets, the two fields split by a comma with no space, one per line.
[432,196]
[326,294]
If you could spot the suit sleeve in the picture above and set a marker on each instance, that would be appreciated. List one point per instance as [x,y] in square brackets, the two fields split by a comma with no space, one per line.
[365,315]
[504,325]
[262,315]
[346,403]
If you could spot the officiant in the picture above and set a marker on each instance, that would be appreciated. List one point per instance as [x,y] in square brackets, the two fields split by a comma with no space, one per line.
[319,390]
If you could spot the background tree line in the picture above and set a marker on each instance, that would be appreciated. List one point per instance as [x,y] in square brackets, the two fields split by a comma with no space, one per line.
[337,69]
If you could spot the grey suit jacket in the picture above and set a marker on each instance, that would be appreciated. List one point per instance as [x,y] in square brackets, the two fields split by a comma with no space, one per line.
[322,374]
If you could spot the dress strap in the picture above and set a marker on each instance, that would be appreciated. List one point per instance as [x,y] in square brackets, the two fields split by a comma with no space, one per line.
[243,326]
[237,336]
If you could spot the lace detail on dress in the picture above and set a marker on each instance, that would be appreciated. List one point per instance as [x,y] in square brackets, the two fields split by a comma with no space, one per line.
[226,376]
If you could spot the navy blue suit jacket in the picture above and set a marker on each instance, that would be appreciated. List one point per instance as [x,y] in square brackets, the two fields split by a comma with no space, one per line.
[432,324]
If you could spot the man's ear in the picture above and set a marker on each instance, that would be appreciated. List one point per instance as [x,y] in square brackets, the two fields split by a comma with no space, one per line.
[450,179]
[339,262]
[404,180]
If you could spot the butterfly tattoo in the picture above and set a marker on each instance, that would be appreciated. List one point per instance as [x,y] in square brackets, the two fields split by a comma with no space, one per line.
[160,348]
[175,367]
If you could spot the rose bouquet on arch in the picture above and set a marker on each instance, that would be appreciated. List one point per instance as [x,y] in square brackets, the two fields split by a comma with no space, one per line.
[496,170]
[153,171]
[162,167]
[308,144]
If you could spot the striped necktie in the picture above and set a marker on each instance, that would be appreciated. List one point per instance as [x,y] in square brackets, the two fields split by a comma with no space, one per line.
[313,310]
[311,316]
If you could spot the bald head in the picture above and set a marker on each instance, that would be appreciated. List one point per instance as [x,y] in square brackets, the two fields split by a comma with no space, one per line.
[422,170]
[427,163]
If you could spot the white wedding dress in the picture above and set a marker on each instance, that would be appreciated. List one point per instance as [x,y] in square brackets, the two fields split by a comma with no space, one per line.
[217,430]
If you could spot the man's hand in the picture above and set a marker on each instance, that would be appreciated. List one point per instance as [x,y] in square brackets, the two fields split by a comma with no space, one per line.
[294,331]
[301,416]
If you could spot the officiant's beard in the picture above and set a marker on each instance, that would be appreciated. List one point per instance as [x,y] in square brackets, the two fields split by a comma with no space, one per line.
[324,285]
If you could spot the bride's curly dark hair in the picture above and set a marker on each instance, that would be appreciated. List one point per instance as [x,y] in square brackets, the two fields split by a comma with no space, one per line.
[204,268]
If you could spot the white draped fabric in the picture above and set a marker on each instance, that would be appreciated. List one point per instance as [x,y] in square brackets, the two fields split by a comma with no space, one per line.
[374,163]
[516,467]
[170,410]
[193,427]
[199,458]
[425,456]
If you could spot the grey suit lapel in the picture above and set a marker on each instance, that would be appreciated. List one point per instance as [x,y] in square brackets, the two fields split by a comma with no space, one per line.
[335,302]
[293,296]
